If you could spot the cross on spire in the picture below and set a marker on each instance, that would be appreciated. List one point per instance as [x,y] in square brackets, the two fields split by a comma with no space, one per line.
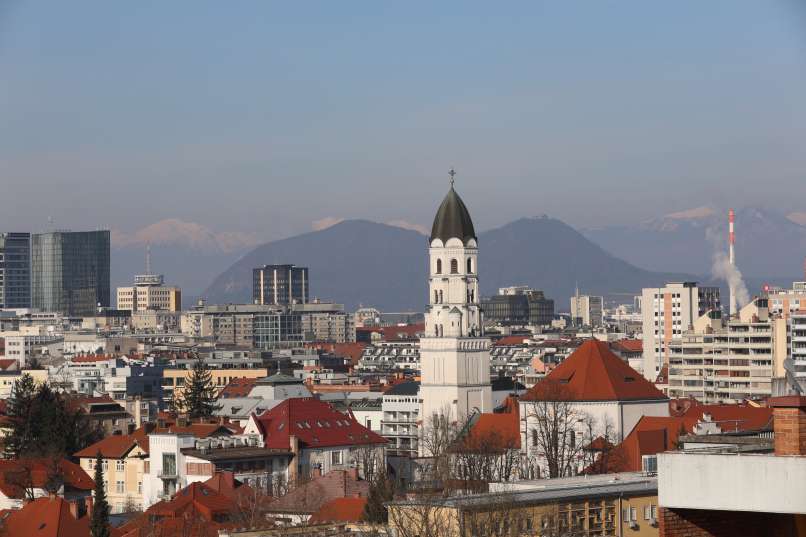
[452,173]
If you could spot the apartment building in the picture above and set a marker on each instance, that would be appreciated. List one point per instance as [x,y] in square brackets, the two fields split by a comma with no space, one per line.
[149,293]
[401,410]
[795,363]
[280,285]
[667,313]
[785,302]
[173,380]
[721,361]
[587,310]
[326,322]
[245,325]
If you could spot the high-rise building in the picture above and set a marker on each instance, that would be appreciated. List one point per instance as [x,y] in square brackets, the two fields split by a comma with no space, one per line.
[70,271]
[15,270]
[587,310]
[518,306]
[280,285]
[667,313]
[454,354]
[149,294]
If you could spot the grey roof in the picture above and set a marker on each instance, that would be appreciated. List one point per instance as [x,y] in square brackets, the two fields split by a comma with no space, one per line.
[278,378]
[404,388]
[453,220]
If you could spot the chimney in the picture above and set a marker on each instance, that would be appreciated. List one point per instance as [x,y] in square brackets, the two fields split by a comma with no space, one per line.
[732,258]
[789,424]
[74,509]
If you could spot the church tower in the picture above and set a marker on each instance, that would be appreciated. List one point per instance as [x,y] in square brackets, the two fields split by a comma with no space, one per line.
[454,355]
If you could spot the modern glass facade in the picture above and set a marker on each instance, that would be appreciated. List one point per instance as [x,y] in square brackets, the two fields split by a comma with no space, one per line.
[70,271]
[277,330]
[15,270]
[280,284]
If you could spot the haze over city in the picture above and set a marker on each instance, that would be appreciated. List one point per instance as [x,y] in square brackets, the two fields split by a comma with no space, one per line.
[264,118]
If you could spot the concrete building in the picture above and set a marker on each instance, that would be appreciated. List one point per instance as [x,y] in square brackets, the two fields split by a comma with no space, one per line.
[720,361]
[245,325]
[785,302]
[454,354]
[149,293]
[795,363]
[326,322]
[401,411]
[518,306]
[70,271]
[32,342]
[738,485]
[280,285]
[668,312]
[587,310]
[173,380]
[15,270]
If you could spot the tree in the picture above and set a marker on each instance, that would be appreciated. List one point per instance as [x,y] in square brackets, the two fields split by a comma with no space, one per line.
[99,524]
[199,398]
[381,491]
[554,436]
[22,428]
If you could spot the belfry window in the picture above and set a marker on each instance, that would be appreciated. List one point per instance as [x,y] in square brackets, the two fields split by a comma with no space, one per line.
[469,266]
[454,266]
[439,266]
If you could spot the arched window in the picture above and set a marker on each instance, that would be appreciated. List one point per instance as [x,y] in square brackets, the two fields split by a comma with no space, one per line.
[436,297]
[454,266]
[436,330]
[469,266]
[440,297]
[439,266]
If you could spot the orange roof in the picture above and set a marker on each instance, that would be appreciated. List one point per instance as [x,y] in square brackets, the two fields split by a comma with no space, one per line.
[593,373]
[496,431]
[340,510]
[8,363]
[46,517]
[350,350]
[651,435]
[238,387]
[732,418]
[40,470]
[628,345]
[91,358]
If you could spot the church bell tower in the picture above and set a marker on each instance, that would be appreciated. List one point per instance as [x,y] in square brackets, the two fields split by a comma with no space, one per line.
[454,354]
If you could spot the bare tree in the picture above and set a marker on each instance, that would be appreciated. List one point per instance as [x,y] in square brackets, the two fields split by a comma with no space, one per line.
[485,457]
[438,435]
[554,431]
[368,458]
[497,518]
[422,517]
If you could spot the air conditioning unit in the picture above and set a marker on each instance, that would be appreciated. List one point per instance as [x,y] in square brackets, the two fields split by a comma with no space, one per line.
[634,524]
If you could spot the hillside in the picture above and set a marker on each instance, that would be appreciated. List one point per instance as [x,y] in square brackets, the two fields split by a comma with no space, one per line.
[361,262]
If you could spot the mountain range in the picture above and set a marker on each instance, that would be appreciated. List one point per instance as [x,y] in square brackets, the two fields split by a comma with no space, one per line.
[358,261]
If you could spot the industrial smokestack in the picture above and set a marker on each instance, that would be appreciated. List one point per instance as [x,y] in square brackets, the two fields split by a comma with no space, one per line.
[732,261]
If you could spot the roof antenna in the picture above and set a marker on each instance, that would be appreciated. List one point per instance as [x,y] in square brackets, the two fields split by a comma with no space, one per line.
[452,173]
[148,259]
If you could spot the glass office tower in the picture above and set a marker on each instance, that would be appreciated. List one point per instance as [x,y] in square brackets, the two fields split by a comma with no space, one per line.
[15,270]
[70,271]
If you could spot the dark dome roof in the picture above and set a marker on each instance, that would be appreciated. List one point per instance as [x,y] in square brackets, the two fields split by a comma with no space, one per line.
[452,220]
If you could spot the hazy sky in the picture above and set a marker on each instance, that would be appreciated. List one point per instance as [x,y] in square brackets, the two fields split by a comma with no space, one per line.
[265,116]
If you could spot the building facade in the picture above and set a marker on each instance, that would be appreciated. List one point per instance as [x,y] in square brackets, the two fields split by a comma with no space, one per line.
[518,306]
[149,294]
[15,270]
[587,310]
[280,285]
[70,271]
[454,354]
[667,313]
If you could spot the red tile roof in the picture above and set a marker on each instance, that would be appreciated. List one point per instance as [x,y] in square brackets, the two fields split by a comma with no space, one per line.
[732,418]
[310,496]
[594,373]
[15,474]
[350,350]
[46,517]
[91,358]
[400,332]
[628,345]
[494,431]
[238,387]
[340,510]
[315,423]
[8,364]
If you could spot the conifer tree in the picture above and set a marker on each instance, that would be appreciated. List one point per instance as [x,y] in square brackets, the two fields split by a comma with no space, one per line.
[199,398]
[99,524]
[381,490]
[20,412]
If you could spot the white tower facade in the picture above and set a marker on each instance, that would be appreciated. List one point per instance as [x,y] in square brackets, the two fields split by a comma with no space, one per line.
[454,354]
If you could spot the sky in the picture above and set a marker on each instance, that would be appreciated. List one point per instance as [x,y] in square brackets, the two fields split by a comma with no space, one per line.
[264,117]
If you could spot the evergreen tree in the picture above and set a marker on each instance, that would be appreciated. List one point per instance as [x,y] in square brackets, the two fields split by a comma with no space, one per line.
[99,524]
[199,398]
[20,410]
[381,490]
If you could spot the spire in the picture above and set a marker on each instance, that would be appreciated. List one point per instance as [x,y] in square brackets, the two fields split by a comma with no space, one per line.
[452,219]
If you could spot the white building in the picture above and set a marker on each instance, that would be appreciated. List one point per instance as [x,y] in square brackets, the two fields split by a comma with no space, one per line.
[454,354]
[587,310]
[32,342]
[401,409]
[149,294]
[668,312]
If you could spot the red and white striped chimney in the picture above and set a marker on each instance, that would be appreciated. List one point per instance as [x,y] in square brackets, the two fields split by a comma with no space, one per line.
[732,259]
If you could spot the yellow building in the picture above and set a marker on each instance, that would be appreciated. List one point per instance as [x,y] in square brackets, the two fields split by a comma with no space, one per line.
[173,380]
[596,506]
[149,294]
[125,458]
[7,379]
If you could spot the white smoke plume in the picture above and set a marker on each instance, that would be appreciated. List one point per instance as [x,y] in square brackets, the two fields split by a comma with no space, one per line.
[721,269]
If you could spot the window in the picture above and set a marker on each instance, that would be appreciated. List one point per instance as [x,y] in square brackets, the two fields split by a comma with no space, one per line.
[454,266]
[119,487]
[139,487]
[168,464]
[335,458]
[120,465]
[629,514]
[105,465]
[439,266]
